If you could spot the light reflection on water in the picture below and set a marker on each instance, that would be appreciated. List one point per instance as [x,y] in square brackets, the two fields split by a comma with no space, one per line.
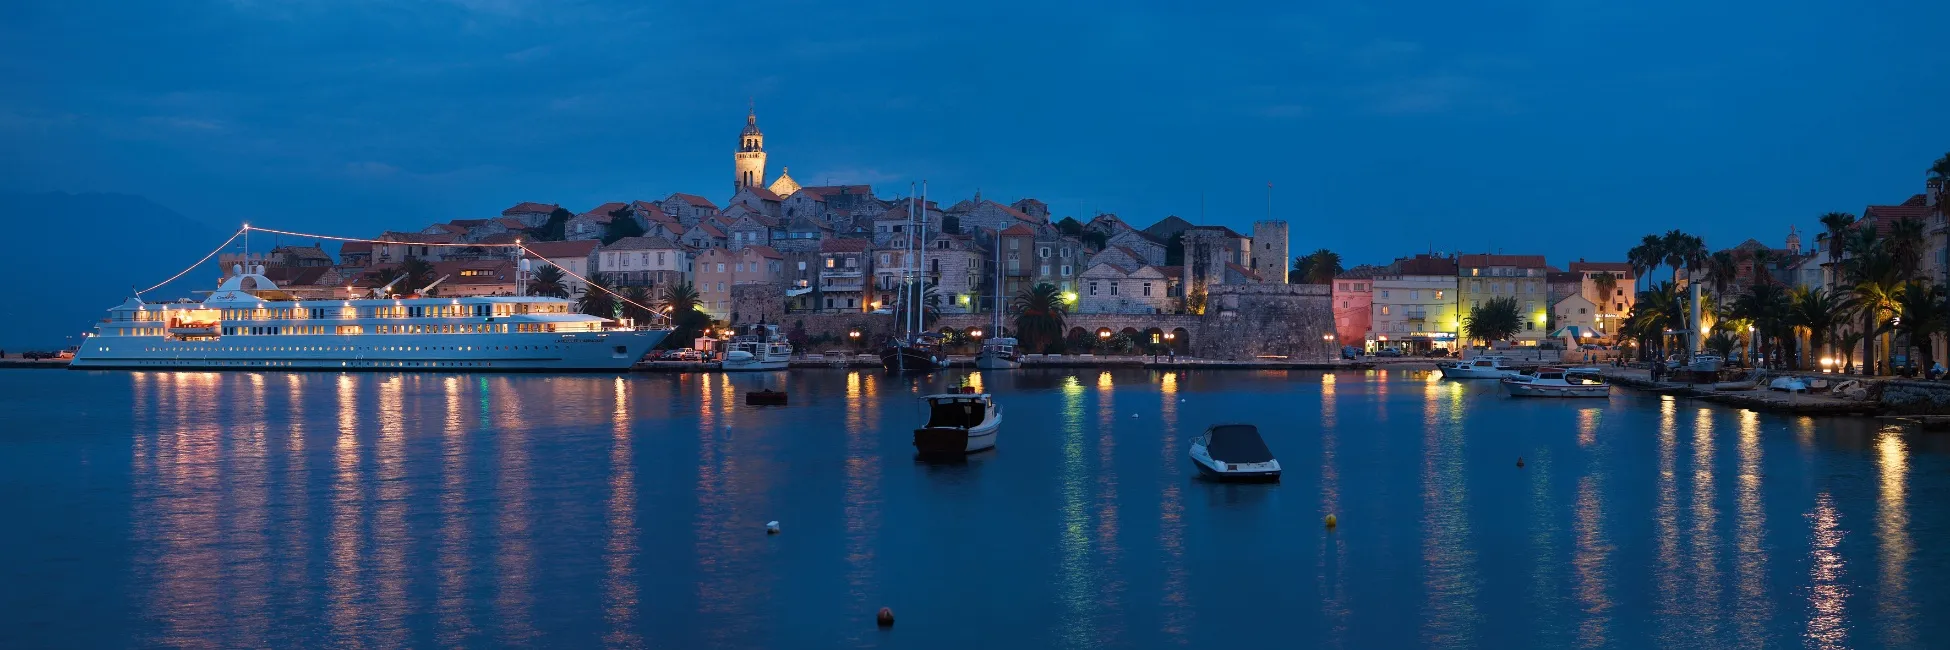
[376,510]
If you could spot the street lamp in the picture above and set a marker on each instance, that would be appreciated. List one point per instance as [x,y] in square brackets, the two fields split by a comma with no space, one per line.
[1327,337]
[975,333]
[1170,335]
[1103,334]
[853,334]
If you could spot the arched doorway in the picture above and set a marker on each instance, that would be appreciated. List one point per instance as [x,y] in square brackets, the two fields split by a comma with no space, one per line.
[1180,340]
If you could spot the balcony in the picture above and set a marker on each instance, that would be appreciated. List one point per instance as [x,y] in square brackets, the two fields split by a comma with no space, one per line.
[830,283]
[1416,315]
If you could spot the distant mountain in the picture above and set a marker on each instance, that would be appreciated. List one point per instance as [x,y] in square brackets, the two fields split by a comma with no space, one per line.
[76,255]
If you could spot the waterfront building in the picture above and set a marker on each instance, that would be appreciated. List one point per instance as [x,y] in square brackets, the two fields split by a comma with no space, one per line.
[845,263]
[1018,244]
[355,253]
[1612,307]
[1353,301]
[1575,311]
[1058,260]
[650,262]
[578,258]
[719,270]
[1110,288]
[1523,277]
[955,267]
[396,247]
[1415,305]
[1138,245]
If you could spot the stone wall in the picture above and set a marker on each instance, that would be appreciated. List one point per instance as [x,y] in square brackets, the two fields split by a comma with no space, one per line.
[1913,397]
[1251,320]
[757,303]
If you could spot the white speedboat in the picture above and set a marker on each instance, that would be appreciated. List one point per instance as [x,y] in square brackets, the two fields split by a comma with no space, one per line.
[1559,382]
[959,423]
[1479,368]
[1234,452]
[249,323]
[1707,363]
[760,348]
[998,354]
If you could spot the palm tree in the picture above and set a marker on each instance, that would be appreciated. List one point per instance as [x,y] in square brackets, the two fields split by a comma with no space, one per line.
[1039,316]
[680,297]
[1838,224]
[597,301]
[681,302]
[1722,343]
[1497,319]
[1816,312]
[1683,250]
[1322,266]
[1606,283]
[636,305]
[924,296]
[1646,256]
[1766,308]
[1656,311]
[1905,243]
[1762,258]
[548,281]
[1721,270]
[1872,273]
[1924,314]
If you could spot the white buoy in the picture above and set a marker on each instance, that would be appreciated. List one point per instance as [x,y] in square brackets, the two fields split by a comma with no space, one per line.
[771,528]
[1133,415]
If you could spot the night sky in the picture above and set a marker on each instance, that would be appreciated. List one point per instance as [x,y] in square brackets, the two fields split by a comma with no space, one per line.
[1565,128]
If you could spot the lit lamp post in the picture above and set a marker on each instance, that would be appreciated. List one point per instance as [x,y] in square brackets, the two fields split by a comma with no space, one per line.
[854,336]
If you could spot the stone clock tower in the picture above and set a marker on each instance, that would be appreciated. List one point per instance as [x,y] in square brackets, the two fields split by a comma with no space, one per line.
[750,159]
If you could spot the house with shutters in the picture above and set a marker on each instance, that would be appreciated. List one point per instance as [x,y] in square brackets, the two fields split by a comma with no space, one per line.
[706,234]
[717,270]
[954,266]
[1111,288]
[688,209]
[652,262]
[845,264]
[760,199]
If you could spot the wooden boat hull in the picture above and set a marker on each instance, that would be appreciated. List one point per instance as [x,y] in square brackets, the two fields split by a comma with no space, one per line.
[905,358]
[1532,390]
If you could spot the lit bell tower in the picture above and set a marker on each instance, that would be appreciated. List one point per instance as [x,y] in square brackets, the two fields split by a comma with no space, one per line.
[750,159]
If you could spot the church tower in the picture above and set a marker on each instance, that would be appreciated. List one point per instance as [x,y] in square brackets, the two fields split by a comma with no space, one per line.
[750,159]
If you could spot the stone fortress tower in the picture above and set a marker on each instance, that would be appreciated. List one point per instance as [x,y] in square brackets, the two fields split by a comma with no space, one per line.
[1271,259]
[750,159]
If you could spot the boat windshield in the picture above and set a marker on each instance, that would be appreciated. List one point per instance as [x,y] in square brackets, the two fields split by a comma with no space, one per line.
[1237,443]
[956,412]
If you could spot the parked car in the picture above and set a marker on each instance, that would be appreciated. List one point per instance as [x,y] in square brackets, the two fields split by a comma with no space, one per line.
[34,354]
[688,354]
[1436,353]
[1388,352]
[656,355]
[1350,352]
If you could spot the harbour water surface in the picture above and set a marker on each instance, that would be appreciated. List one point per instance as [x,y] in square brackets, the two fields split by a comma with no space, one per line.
[421,510]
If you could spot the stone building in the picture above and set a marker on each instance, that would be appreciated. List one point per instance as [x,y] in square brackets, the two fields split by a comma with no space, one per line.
[689,209]
[643,262]
[1018,244]
[717,270]
[1136,242]
[531,214]
[748,163]
[845,263]
[1214,255]
[1615,305]
[953,264]
[1108,288]
[593,223]
[1268,320]
[1270,256]
[1523,277]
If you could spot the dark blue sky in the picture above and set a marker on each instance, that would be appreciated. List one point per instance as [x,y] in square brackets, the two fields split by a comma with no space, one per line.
[1566,128]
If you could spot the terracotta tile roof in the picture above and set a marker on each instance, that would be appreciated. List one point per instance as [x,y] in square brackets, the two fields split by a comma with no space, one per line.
[765,251]
[561,249]
[809,193]
[1425,265]
[649,210]
[355,247]
[468,223]
[1019,230]
[695,200]
[499,271]
[500,238]
[1563,277]
[1360,272]
[673,226]
[1519,261]
[1581,266]
[710,229]
[844,245]
[1886,216]
[763,194]
[828,190]
[604,209]
[287,276]
[419,238]
[511,223]
[1171,271]
[637,244]
[458,230]
[530,206]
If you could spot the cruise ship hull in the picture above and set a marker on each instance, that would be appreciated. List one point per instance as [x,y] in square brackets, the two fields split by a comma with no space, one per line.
[606,351]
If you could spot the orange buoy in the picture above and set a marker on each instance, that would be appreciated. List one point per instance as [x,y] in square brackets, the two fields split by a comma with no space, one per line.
[885,618]
[1331,521]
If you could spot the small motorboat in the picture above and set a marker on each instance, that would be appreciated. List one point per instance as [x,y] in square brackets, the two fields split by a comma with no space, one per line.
[958,423]
[1788,384]
[766,397]
[761,348]
[1559,382]
[1234,452]
[998,354]
[1479,368]
[1707,363]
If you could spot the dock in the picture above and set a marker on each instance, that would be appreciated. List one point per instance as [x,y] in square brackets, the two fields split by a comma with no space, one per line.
[1759,399]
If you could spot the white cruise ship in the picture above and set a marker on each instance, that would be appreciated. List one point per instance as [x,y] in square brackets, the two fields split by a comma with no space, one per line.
[260,328]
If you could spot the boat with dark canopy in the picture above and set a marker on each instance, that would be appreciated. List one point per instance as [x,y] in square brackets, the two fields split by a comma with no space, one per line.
[1234,452]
